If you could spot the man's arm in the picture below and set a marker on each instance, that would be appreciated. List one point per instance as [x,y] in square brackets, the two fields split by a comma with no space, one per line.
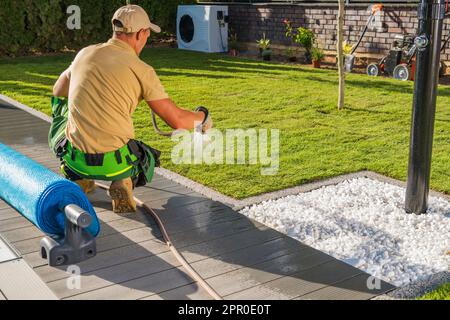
[176,117]
[61,87]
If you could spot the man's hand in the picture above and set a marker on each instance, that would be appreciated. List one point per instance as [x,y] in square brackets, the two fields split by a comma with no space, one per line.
[61,87]
[176,117]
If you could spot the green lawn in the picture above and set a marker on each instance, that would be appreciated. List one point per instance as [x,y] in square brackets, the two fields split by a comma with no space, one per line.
[441,293]
[317,141]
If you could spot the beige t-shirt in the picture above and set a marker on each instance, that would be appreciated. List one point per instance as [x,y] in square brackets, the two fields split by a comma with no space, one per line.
[107,81]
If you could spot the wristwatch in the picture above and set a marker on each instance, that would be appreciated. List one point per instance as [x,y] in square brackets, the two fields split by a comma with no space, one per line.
[201,127]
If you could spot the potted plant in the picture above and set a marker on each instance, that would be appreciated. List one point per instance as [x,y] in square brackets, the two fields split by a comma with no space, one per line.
[233,45]
[317,56]
[291,54]
[264,47]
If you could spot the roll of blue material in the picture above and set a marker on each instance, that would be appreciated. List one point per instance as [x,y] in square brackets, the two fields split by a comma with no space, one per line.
[39,194]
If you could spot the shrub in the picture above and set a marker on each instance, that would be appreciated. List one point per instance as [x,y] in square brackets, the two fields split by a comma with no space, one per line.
[30,26]
[301,35]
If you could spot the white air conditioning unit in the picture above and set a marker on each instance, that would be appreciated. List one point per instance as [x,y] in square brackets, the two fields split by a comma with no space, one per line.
[202,28]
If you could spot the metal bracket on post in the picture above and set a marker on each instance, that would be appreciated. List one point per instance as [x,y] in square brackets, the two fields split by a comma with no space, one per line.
[77,244]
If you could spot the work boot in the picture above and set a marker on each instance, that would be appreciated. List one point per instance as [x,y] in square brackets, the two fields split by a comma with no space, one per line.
[121,193]
[86,185]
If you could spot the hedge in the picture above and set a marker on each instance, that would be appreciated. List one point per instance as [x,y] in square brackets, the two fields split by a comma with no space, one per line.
[30,26]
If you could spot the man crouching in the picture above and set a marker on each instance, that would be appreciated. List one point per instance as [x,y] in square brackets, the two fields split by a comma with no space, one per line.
[92,131]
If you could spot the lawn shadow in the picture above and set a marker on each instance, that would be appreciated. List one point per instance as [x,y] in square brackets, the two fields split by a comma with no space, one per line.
[195,75]
[265,66]
[222,63]
[368,110]
[381,85]
[23,89]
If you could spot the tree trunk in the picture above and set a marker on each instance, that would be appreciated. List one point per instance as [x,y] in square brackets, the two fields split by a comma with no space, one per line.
[340,36]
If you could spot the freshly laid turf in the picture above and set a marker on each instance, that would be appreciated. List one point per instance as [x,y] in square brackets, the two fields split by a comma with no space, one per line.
[316,140]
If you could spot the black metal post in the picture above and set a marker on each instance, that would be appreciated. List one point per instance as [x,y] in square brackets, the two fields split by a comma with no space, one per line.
[431,14]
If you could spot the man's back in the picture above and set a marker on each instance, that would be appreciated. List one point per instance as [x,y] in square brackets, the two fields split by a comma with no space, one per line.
[107,81]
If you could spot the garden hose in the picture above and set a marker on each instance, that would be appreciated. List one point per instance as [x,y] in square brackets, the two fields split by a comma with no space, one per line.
[192,273]
[155,125]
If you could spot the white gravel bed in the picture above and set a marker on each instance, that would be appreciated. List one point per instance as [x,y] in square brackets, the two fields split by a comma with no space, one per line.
[362,222]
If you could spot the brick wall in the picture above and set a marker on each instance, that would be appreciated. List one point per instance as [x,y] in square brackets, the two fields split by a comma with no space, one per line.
[250,21]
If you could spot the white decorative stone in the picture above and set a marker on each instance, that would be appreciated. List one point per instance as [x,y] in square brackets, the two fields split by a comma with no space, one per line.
[362,222]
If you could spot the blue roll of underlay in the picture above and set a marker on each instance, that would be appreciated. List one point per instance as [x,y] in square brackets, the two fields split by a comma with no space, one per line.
[40,194]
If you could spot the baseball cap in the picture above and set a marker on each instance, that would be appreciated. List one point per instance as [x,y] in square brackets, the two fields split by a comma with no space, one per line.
[133,18]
